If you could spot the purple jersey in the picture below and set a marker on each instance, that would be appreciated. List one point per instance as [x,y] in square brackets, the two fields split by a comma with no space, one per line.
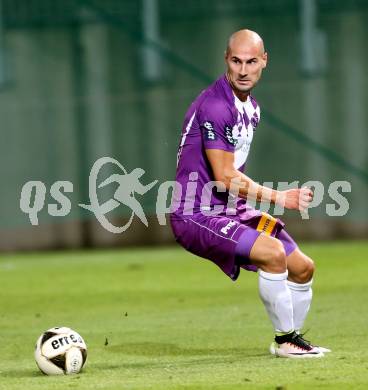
[217,119]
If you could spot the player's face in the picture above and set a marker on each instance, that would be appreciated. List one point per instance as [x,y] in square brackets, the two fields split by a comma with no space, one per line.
[244,67]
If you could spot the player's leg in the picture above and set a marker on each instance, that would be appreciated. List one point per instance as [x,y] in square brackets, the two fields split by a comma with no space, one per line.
[230,245]
[301,270]
[269,255]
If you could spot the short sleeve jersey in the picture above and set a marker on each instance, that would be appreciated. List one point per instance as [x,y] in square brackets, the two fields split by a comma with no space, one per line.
[216,119]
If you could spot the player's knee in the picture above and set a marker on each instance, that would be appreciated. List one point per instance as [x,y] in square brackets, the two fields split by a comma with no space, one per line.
[308,271]
[278,259]
[306,274]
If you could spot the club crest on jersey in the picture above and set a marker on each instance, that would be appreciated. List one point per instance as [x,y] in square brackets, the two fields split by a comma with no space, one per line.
[254,120]
[229,135]
[210,135]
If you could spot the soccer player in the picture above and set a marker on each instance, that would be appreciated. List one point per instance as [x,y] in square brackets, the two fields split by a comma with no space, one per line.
[210,215]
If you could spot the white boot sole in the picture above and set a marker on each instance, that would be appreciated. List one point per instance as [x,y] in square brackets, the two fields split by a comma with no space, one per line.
[282,354]
[321,349]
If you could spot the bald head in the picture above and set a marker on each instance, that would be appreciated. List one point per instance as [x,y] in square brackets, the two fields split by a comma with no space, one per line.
[244,38]
[245,58]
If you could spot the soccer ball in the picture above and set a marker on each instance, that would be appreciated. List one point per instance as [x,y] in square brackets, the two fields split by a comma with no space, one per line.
[60,351]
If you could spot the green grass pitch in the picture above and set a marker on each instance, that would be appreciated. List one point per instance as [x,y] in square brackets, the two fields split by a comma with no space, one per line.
[164,319]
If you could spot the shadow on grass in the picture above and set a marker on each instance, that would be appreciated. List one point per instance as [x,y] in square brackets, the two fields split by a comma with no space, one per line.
[168,349]
[194,355]
[22,373]
[30,373]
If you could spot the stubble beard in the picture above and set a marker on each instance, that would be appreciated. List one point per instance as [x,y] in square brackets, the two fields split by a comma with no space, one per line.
[237,89]
[242,89]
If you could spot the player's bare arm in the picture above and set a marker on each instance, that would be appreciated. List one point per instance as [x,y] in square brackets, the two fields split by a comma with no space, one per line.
[222,164]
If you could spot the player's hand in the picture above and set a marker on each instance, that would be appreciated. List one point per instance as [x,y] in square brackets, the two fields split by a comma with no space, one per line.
[296,199]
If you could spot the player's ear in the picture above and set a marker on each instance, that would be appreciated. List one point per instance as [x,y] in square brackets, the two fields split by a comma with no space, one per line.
[264,58]
[226,53]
